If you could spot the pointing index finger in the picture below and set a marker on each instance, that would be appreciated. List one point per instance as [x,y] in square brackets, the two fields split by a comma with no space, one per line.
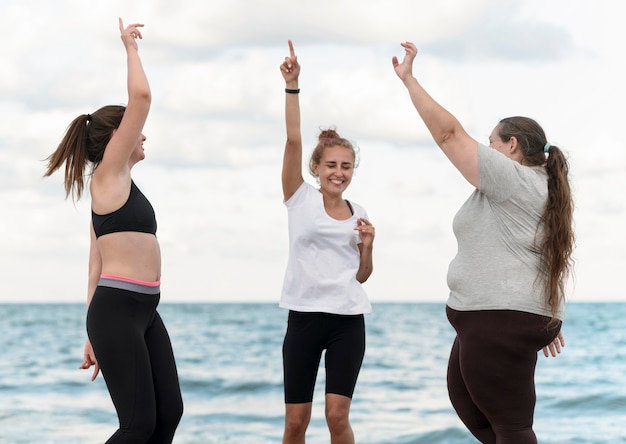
[292,53]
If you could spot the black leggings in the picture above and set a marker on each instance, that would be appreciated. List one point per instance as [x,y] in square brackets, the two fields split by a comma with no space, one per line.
[308,334]
[135,355]
[491,372]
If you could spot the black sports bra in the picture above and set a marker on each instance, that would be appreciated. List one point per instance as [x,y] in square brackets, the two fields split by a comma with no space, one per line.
[135,215]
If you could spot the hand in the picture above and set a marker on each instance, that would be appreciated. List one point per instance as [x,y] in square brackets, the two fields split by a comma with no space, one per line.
[404,70]
[366,231]
[130,34]
[290,69]
[554,347]
[89,359]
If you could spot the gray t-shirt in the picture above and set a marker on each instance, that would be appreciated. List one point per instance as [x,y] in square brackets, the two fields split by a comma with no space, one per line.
[497,262]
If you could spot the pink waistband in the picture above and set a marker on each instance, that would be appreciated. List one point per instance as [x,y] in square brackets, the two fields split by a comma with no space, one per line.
[135,281]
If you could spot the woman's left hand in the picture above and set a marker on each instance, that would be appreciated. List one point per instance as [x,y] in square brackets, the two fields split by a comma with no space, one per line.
[554,347]
[366,231]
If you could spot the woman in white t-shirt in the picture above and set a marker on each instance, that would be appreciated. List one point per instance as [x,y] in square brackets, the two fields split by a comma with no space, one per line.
[330,255]
[507,282]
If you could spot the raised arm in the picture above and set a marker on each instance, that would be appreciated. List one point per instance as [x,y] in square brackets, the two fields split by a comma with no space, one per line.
[126,137]
[292,159]
[446,130]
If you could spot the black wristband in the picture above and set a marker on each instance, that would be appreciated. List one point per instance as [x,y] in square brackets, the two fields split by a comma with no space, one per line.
[292,91]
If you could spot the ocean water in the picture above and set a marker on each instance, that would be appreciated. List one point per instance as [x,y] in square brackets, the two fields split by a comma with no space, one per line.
[229,360]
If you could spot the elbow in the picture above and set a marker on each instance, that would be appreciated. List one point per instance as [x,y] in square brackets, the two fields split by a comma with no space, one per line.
[145,96]
[95,271]
[92,283]
[294,139]
[445,137]
[449,132]
[94,275]
[364,275]
[141,95]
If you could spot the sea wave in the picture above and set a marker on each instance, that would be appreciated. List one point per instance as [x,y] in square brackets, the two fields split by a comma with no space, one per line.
[230,369]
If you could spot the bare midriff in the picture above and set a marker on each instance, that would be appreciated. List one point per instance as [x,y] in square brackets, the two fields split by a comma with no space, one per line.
[132,255]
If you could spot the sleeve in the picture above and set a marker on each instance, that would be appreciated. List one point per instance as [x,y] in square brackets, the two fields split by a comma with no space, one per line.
[299,197]
[499,175]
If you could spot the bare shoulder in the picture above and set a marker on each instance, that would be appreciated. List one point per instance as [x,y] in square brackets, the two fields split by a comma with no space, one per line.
[109,192]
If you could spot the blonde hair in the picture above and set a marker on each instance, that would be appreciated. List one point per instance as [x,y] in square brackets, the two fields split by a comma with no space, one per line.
[327,138]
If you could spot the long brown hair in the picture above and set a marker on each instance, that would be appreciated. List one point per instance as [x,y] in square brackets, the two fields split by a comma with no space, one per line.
[83,143]
[557,243]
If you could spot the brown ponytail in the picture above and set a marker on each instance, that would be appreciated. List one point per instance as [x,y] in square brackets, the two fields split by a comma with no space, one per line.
[557,220]
[557,243]
[84,142]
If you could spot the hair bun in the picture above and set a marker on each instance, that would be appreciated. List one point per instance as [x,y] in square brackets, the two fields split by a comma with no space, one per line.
[329,134]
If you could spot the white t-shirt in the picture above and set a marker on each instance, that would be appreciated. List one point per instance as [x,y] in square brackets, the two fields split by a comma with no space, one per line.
[497,262]
[323,258]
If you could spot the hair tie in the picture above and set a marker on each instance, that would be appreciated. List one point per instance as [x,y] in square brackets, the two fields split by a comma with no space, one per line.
[88,117]
[546,147]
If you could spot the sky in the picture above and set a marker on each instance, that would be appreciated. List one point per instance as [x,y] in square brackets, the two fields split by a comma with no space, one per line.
[215,133]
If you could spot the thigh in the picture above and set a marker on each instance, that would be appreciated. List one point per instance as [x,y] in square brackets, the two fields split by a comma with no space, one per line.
[165,374]
[169,402]
[116,323]
[302,351]
[497,359]
[460,397]
[344,354]
[464,405]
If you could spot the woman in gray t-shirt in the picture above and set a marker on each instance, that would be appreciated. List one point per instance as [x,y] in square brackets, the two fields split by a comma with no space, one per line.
[515,240]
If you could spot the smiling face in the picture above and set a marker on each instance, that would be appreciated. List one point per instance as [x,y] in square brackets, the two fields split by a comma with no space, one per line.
[335,169]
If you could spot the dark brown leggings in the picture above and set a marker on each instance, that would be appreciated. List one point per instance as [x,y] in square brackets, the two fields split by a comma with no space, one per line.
[491,372]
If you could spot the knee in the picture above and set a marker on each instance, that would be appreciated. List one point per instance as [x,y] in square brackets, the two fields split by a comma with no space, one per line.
[338,420]
[296,425]
[169,417]
[142,428]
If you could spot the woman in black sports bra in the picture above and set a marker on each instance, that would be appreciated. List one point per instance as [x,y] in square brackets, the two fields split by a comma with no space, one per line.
[126,336]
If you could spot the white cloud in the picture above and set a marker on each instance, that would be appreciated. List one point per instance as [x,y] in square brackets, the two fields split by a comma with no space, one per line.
[216,131]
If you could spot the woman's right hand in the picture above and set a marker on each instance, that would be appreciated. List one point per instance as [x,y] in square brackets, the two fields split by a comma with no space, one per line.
[290,69]
[404,70]
[130,34]
[89,359]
